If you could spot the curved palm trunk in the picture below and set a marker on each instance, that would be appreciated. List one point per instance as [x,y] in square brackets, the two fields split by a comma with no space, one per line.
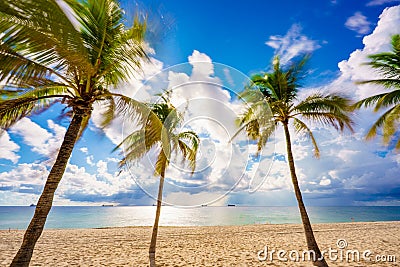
[311,242]
[152,249]
[35,228]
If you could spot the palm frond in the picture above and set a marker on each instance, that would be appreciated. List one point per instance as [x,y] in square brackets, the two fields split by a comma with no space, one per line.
[264,136]
[109,113]
[189,152]
[161,163]
[388,99]
[159,128]
[329,109]
[130,108]
[40,30]
[13,110]
[114,50]
[301,127]
[388,122]
[255,119]
[369,101]
[388,82]
[134,147]
[20,71]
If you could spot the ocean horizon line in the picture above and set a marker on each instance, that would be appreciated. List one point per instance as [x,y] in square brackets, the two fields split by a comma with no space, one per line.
[73,217]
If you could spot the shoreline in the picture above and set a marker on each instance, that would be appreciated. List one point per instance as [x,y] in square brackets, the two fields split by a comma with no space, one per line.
[201,245]
[186,226]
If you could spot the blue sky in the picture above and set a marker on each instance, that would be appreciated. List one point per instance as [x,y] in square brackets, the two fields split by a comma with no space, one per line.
[243,36]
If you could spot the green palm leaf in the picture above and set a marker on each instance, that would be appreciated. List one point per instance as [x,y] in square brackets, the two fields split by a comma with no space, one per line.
[330,110]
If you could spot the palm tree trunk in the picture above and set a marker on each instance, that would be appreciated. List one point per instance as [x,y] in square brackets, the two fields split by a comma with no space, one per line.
[35,228]
[152,249]
[311,242]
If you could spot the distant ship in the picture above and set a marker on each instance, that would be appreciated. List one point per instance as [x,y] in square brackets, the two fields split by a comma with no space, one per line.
[231,205]
[107,205]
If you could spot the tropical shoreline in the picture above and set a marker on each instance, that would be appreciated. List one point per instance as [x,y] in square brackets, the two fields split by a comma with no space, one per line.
[201,245]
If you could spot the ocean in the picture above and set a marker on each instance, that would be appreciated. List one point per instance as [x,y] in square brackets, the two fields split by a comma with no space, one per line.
[18,217]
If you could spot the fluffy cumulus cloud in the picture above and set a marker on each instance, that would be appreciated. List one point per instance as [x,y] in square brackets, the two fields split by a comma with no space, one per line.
[8,148]
[358,23]
[41,141]
[78,186]
[25,178]
[292,44]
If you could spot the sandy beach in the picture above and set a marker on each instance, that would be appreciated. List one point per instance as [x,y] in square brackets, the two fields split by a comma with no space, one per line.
[208,245]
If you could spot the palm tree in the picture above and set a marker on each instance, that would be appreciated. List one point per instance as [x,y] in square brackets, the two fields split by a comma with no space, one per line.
[74,53]
[160,131]
[387,64]
[279,89]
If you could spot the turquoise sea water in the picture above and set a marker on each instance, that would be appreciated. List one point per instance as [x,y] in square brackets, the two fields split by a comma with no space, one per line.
[96,217]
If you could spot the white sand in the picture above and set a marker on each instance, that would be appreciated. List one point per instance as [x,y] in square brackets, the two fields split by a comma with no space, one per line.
[201,246]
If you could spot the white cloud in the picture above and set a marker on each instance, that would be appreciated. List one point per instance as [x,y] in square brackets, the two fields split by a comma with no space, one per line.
[293,44]
[42,141]
[358,23]
[89,160]
[8,148]
[84,150]
[325,181]
[77,185]
[24,174]
[381,2]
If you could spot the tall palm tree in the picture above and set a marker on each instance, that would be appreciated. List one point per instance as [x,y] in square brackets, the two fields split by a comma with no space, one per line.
[70,52]
[387,64]
[279,89]
[160,131]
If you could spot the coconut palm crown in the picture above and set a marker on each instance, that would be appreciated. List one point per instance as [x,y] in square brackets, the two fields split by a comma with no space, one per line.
[280,89]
